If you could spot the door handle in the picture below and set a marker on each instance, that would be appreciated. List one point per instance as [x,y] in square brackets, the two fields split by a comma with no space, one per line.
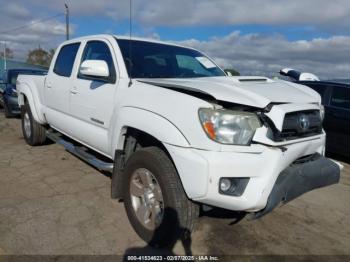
[74,91]
[48,85]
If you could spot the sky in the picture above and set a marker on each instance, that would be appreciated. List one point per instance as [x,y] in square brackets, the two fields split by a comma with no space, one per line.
[254,37]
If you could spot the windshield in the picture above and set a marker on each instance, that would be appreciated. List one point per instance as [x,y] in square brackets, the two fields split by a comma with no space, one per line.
[153,60]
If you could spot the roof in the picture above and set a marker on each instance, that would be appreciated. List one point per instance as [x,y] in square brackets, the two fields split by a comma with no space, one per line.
[124,37]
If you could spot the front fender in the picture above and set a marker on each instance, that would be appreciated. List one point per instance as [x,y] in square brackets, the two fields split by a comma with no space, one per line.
[149,122]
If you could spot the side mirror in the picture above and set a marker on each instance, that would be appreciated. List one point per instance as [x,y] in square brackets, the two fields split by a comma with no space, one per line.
[94,68]
[231,72]
[228,73]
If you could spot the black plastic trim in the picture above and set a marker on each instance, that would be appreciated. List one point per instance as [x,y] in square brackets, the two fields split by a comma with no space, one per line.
[238,185]
[287,135]
[299,178]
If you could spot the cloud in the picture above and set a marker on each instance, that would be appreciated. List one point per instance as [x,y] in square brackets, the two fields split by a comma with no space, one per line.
[318,13]
[256,54]
[250,53]
[22,31]
[15,10]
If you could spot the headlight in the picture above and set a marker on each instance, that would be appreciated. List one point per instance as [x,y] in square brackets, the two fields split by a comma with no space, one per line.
[228,126]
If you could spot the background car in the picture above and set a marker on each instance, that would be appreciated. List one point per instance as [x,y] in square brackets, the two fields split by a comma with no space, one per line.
[8,93]
[336,100]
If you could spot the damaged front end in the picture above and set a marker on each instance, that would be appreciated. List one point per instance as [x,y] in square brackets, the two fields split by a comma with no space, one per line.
[275,147]
[302,176]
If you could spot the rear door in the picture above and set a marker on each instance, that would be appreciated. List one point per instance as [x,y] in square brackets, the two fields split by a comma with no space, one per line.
[58,84]
[338,120]
[92,100]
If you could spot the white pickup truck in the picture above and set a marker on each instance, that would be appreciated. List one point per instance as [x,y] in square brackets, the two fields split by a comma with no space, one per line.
[176,132]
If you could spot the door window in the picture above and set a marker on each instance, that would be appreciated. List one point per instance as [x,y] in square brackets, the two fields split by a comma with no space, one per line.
[341,97]
[98,50]
[65,60]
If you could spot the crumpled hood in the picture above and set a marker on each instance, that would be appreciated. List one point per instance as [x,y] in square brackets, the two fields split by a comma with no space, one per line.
[252,91]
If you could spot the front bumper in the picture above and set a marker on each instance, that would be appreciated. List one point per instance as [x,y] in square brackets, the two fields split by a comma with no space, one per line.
[12,104]
[300,178]
[200,171]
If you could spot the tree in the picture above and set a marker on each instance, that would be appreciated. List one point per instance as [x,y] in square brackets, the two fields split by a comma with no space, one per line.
[40,56]
[9,53]
[232,72]
[52,52]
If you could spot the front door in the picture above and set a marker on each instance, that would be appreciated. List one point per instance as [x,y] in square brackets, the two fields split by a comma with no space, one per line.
[92,100]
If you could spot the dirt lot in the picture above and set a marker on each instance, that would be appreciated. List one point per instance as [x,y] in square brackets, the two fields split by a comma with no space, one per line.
[53,203]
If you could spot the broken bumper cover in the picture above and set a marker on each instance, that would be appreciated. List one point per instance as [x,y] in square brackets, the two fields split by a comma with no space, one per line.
[12,104]
[300,178]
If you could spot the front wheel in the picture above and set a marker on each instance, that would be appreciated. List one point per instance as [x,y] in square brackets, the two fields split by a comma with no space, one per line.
[33,133]
[155,201]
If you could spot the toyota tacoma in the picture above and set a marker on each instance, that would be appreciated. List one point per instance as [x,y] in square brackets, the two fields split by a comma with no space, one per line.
[176,132]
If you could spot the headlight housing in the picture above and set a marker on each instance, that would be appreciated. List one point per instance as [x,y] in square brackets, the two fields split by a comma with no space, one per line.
[228,126]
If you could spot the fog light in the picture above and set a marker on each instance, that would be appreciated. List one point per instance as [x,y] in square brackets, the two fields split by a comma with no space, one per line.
[233,186]
[225,184]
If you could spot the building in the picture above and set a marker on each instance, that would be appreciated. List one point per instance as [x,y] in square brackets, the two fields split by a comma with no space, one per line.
[13,64]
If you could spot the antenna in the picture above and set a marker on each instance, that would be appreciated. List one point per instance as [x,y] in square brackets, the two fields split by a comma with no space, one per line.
[67,21]
[130,32]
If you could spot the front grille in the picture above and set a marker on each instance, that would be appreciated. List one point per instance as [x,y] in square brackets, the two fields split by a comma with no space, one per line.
[300,124]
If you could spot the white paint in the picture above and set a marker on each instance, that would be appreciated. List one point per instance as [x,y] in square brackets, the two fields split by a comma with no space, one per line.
[308,77]
[172,118]
[95,68]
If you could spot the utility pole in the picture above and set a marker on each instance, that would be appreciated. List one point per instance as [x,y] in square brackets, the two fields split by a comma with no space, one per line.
[5,56]
[67,21]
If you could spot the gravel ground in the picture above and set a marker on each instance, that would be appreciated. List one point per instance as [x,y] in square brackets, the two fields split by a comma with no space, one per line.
[52,203]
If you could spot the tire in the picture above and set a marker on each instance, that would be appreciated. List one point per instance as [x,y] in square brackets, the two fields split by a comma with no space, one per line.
[7,112]
[33,133]
[179,214]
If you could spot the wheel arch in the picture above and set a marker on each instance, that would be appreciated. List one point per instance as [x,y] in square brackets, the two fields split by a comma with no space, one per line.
[133,139]
[26,95]
[145,121]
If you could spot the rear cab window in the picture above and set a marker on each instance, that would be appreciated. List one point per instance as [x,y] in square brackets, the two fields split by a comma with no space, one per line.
[65,59]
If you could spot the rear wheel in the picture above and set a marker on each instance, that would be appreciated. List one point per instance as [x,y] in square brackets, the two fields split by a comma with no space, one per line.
[154,199]
[34,133]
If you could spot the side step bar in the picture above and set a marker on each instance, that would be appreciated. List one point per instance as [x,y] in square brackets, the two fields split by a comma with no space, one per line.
[80,152]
